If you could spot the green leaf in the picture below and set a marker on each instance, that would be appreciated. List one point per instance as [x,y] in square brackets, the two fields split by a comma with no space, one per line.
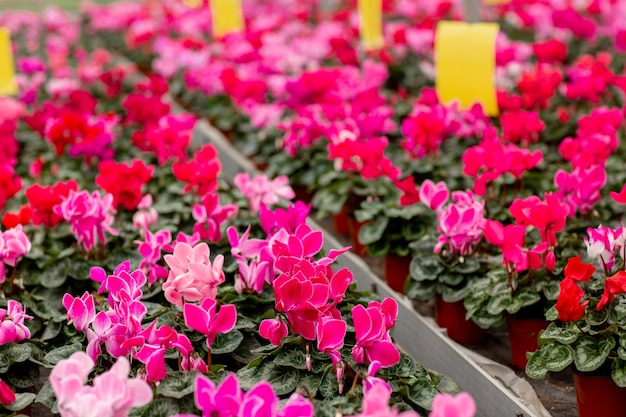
[468,266]
[422,393]
[425,268]
[311,382]
[11,353]
[22,400]
[226,343]
[452,295]
[450,278]
[329,386]
[52,330]
[565,336]
[161,407]
[55,275]
[373,232]
[46,397]
[403,369]
[177,384]
[421,291]
[500,302]
[596,318]
[443,383]
[79,269]
[550,357]
[618,372]
[295,358]
[23,375]
[284,380]
[590,353]
[55,356]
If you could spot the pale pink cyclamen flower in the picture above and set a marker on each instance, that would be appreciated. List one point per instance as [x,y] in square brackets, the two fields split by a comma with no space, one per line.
[461,223]
[376,404]
[192,277]
[12,328]
[146,215]
[90,216]
[112,393]
[14,245]
[602,244]
[459,405]
[261,191]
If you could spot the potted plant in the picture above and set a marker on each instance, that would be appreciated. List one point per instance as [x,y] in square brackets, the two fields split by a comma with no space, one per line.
[587,330]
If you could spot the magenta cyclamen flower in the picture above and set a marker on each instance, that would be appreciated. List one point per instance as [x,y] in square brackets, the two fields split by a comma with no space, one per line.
[90,216]
[80,311]
[12,328]
[261,191]
[112,393]
[192,276]
[434,196]
[376,404]
[210,216]
[228,400]
[372,326]
[205,320]
[580,189]
[151,249]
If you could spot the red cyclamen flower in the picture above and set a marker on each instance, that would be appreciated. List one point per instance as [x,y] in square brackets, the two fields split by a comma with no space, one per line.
[124,181]
[43,199]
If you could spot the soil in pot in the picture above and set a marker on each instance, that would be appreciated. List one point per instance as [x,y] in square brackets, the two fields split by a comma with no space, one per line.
[451,316]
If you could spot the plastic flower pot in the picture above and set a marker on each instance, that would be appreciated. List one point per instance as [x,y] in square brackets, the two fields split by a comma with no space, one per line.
[451,316]
[354,227]
[523,335]
[340,222]
[599,396]
[397,271]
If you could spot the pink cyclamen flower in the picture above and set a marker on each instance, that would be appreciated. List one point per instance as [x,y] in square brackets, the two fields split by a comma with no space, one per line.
[7,396]
[461,224]
[261,191]
[274,330]
[372,326]
[376,404]
[146,215]
[90,216]
[14,245]
[205,320]
[12,328]
[112,393]
[192,277]
[210,216]
[433,195]
[448,405]
[151,249]
[81,311]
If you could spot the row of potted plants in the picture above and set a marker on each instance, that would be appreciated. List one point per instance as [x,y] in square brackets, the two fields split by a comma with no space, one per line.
[366,134]
[150,286]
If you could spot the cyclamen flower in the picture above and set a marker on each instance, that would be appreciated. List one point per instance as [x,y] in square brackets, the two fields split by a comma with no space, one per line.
[205,320]
[460,223]
[151,249]
[602,244]
[372,326]
[228,400]
[43,199]
[192,277]
[124,181]
[568,304]
[146,215]
[10,184]
[200,173]
[376,404]
[448,405]
[112,393]
[14,245]
[168,139]
[7,396]
[210,216]
[90,216]
[580,189]
[12,328]
[261,191]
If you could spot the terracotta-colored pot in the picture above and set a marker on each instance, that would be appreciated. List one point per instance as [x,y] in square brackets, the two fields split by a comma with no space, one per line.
[599,396]
[340,222]
[523,335]
[397,271]
[451,316]
[354,227]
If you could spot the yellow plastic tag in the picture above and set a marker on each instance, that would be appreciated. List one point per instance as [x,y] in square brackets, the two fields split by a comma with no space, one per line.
[192,3]
[227,17]
[491,2]
[371,24]
[8,86]
[465,60]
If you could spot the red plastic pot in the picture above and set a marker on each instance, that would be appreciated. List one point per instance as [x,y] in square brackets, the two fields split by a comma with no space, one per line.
[397,271]
[451,316]
[354,227]
[340,222]
[523,335]
[599,396]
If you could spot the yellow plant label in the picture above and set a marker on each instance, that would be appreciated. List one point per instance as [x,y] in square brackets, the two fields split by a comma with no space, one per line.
[227,17]
[371,24]
[192,3]
[465,61]
[496,1]
[8,86]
